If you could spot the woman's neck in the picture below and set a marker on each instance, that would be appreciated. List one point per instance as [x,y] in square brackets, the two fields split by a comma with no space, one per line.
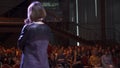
[38,22]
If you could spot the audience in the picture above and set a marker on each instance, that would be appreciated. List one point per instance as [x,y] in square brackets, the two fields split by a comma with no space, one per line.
[83,56]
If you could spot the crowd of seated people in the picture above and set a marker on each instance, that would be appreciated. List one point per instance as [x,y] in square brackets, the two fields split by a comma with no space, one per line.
[83,56]
[9,57]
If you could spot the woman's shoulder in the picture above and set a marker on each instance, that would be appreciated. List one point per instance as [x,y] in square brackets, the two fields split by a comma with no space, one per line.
[40,27]
[34,25]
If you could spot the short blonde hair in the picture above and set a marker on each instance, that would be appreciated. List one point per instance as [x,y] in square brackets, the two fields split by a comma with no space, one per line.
[36,11]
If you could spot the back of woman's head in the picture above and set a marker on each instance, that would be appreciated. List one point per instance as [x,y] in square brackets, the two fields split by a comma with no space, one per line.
[35,12]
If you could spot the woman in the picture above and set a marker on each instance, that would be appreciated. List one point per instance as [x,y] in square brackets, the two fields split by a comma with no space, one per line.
[77,61]
[95,60]
[34,38]
[107,59]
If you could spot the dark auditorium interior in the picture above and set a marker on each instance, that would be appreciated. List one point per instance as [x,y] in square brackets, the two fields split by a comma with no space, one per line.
[73,22]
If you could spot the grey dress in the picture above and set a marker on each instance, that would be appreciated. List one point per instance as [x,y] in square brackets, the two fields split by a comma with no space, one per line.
[33,42]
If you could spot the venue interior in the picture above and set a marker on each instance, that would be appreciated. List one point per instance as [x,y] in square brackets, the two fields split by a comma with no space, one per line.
[74,23]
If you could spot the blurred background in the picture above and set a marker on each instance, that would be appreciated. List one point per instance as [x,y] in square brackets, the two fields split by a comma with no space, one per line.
[72,21]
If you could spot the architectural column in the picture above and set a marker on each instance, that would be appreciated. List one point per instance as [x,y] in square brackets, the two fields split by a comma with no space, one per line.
[103,28]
